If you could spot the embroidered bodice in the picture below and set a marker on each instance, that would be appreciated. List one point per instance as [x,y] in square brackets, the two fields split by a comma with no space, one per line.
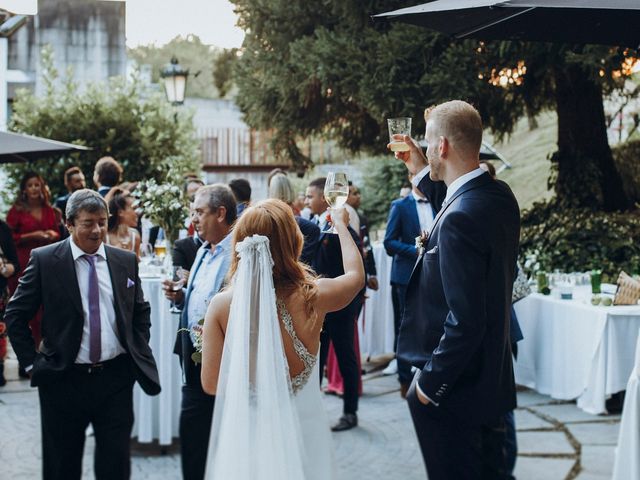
[308,360]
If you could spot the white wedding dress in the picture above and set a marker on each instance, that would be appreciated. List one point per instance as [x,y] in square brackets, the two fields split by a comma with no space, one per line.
[265,425]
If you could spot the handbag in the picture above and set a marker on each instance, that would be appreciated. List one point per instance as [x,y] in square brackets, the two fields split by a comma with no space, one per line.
[521,287]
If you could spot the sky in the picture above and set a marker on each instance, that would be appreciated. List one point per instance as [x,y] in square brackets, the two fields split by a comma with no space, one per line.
[158,21]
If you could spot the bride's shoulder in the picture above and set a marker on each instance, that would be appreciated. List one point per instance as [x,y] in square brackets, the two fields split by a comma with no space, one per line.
[219,307]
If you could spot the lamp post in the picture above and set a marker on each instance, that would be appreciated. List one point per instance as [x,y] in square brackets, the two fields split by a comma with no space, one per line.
[175,81]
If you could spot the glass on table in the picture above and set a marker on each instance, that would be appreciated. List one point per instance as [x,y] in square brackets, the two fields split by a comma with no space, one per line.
[336,191]
[596,281]
[398,126]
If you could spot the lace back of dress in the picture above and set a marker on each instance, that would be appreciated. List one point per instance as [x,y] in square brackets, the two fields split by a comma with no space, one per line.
[308,360]
[255,433]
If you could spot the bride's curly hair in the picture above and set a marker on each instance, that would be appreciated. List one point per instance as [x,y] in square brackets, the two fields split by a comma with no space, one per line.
[274,219]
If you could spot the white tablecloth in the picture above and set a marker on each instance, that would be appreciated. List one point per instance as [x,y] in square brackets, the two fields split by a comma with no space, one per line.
[574,350]
[157,418]
[376,319]
[627,462]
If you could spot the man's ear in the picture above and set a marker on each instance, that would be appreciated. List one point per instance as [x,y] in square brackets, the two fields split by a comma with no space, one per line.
[443,146]
[222,213]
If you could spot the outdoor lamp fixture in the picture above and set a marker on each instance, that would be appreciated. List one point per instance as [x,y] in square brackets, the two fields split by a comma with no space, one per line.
[175,81]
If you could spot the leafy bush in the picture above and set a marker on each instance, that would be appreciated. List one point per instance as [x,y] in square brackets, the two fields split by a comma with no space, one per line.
[383,179]
[574,240]
[120,119]
[627,159]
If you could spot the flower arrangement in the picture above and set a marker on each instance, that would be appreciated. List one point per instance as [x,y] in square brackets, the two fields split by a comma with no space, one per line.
[197,343]
[165,205]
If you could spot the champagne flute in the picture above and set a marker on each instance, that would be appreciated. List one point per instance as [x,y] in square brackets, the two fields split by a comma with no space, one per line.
[336,191]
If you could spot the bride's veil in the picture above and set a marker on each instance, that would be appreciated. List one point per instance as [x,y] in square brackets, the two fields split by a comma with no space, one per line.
[255,433]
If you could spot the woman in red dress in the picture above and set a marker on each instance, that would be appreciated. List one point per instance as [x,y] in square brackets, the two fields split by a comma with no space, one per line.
[33,223]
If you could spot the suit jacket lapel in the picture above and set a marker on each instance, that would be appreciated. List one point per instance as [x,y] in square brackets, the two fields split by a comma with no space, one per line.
[197,262]
[470,185]
[67,275]
[412,206]
[118,274]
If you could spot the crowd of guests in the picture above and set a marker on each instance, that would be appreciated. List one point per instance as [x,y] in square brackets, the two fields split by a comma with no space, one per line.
[205,256]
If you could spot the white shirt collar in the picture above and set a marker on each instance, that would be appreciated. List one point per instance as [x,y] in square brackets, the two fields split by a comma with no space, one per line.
[77,252]
[417,197]
[460,181]
[322,218]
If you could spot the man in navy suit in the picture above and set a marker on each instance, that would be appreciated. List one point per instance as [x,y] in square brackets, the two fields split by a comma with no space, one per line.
[455,327]
[408,218]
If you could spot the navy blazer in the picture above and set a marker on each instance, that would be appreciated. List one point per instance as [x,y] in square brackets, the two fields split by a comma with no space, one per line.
[311,233]
[403,226]
[455,326]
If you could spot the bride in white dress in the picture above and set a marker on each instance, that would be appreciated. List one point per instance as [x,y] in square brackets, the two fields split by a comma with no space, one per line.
[260,346]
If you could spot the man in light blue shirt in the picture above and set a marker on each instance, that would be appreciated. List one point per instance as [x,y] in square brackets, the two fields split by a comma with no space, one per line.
[214,211]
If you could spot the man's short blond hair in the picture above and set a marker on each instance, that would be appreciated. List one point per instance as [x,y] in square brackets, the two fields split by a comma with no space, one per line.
[459,122]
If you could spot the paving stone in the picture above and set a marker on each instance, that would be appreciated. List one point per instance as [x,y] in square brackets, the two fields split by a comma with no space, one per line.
[598,433]
[528,468]
[384,445]
[527,398]
[526,420]
[544,443]
[569,413]
[598,459]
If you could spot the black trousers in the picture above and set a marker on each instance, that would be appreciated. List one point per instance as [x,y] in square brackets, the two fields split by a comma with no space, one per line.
[398,294]
[339,328]
[102,398]
[195,427]
[454,450]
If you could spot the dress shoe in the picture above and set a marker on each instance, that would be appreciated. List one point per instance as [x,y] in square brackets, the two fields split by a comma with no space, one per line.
[3,381]
[22,373]
[392,368]
[404,388]
[346,422]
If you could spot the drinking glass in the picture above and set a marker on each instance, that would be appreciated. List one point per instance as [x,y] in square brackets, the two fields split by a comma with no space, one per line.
[399,126]
[160,248]
[336,191]
[596,280]
[176,276]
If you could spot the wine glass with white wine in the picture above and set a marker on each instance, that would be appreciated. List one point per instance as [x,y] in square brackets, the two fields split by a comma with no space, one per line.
[336,191]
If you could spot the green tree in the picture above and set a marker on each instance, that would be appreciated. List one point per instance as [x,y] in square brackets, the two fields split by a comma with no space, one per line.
[192,54]
[323,69]
[138,128]
[223,67]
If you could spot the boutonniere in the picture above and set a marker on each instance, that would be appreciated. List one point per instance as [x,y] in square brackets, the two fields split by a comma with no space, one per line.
[421,242]
[419,245]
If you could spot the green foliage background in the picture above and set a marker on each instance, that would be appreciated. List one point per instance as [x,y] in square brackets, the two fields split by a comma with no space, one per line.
[140,129]
[191,53]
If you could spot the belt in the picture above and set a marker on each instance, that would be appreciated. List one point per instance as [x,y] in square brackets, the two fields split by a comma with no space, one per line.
[101,366]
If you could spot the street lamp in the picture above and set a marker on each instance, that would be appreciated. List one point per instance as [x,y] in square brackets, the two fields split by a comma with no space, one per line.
[175,81]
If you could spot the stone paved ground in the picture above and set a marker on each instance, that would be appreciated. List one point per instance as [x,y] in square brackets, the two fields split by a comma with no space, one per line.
[557,440]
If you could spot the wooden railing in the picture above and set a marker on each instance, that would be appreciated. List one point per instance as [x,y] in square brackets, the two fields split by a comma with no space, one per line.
[235,147]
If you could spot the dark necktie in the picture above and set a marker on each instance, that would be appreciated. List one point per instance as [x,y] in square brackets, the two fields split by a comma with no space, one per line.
[95,349]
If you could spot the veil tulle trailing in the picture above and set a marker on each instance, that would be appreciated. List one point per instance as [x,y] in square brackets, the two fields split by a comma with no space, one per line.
[256,432]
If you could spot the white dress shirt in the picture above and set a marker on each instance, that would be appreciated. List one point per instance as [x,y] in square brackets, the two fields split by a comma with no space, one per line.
[109,342]
[425,212]
[354,219]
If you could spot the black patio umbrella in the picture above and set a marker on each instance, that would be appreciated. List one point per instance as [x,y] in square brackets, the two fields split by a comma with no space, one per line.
[17,147]
[606,22]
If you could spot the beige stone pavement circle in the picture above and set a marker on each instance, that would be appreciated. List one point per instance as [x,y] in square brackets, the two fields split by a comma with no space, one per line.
[557,441]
